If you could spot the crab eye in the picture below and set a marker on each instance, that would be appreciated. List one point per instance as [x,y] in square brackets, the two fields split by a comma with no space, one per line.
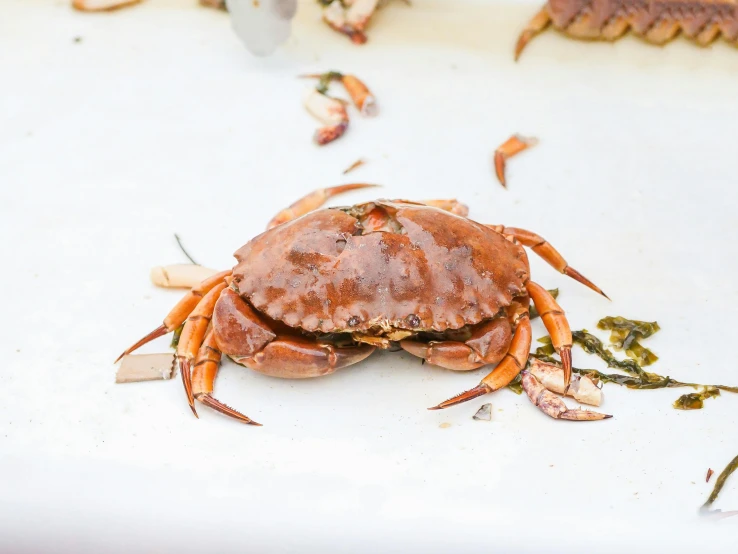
[354,321]
[412,320]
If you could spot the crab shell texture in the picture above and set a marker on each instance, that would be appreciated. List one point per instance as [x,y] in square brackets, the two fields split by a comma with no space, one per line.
[382,269]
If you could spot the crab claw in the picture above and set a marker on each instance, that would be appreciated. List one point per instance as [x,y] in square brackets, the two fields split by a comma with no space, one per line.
[552,405]
[480,390]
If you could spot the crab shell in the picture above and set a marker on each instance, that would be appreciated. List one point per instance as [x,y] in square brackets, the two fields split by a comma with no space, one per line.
[384,269]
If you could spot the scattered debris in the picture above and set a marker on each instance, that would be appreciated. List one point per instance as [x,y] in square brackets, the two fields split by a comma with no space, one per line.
[552,405]
[709,474]
[77,40]
[582,388]
[484,413]
[355,87]
[180,276]
[730,468]
[329,111]
[349,17]
[217,4]
[533,313]
[353,166]
[332,111]
[182,248]
[445,425]
[101,5]
[513,145]
[135,368]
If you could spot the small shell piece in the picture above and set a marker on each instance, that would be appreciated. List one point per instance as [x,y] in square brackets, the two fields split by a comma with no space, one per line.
[101,5]
[180,276]
[552,405]
[582,388]
[484,413]
[135,368]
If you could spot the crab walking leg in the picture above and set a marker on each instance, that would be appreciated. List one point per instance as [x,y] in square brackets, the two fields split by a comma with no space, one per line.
[501,376]
[192,336]
[203,378]
[180,312]
[552,405]
[535,26]
[312,201]
[487,345]
[548,253]
[555,321]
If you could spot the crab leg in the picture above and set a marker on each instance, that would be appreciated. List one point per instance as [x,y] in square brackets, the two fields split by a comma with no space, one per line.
[180,312]
[203,377]
[192,336]
[535,26]
[552,405]
[312,201]
[555,321]
[547,252]
[501,376]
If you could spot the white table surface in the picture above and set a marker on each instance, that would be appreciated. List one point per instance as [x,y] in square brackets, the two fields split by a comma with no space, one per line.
[159,121]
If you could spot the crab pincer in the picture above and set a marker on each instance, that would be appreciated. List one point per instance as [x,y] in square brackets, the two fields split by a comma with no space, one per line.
[552,405]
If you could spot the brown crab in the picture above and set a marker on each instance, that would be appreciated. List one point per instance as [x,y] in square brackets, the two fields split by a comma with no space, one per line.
[321,290]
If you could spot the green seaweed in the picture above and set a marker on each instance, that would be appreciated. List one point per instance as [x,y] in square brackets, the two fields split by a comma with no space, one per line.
[695,400]
[516,385]
[636,378]
[624,335]
[325,79]
[533,313]
[730,468]
[175,337]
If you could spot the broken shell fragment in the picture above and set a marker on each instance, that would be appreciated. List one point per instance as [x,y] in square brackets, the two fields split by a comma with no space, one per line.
[484,413]
[180,276]
[582,388]
[135,368]
[329,111]
[552,405]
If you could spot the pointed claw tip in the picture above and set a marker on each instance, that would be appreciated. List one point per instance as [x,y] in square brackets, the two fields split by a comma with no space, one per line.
[439,407]
[607,416]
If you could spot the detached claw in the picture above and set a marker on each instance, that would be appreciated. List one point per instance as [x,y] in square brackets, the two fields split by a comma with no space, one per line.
[552,405]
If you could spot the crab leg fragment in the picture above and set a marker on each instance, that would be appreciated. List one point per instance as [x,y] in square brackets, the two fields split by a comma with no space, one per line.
[555,322]
[534,27]
[329,111]
[312,201]
[552,405]
[513,145]
[547,252]
[501,376]
[181,311]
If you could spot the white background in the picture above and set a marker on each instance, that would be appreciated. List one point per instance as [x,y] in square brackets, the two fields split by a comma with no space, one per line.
[159,121]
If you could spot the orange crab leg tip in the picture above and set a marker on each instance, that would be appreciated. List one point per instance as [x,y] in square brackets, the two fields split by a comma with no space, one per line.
[184,369]
[500,168]
[480,390]
[218,406]
[574,274]
[155,334]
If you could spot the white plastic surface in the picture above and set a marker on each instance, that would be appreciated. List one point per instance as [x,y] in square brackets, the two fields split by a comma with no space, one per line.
[159,121]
